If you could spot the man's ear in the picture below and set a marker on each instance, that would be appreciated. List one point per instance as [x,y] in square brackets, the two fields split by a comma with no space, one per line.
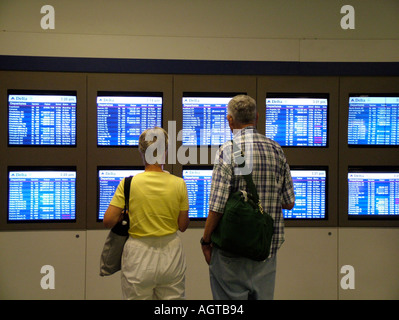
[231,121]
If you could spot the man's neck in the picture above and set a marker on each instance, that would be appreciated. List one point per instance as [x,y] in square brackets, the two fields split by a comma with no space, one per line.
[242,126]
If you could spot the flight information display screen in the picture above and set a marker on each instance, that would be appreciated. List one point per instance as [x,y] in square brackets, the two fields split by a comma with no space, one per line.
[310,187]
[41,196]
[42,119]
[373,121]
[121,119]
[108,181]
[198,182]
[204,120]
[297,121]
[373,194]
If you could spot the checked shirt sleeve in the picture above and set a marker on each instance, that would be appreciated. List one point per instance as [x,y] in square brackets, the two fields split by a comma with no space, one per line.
[288,187]
[221,184]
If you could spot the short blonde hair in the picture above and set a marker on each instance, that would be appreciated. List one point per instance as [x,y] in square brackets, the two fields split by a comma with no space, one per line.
[149,137]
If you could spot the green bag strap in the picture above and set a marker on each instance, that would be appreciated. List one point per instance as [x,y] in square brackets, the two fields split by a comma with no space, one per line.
[248,178]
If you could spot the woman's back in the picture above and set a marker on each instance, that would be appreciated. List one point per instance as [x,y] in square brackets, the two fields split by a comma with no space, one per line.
[156,199]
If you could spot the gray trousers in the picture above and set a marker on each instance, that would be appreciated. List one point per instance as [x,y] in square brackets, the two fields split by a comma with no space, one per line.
[238,278]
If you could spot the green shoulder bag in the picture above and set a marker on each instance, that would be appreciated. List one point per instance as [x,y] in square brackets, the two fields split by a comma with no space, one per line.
[245,229]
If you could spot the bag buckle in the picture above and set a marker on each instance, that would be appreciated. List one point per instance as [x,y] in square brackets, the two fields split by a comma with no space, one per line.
[245,195]
[260,207]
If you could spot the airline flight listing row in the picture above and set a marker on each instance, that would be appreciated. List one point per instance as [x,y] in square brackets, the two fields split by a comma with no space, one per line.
[121,120]
[42,120]
[42,195]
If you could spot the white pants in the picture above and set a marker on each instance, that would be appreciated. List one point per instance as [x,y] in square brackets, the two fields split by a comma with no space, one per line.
[153,268]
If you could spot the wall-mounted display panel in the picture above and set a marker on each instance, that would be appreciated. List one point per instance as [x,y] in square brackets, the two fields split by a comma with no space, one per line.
[120,108]
[123,116]
[371,197]
[301,114]
[205,118]
[368,151]
[43,118]
[297,119]
[44,198]
[199,109]
[373,120]
[311,194]
[198,180]
[373,193]
[41,195]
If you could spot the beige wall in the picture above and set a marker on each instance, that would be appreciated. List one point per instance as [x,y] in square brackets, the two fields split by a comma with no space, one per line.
[273,30]
[308,264]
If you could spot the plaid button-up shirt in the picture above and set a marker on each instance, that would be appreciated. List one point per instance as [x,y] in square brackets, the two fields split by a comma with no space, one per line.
[265,159]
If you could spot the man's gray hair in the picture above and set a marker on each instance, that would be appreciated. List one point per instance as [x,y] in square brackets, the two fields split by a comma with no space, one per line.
[242,109]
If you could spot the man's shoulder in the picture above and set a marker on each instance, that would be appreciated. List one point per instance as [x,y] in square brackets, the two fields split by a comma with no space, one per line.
[256,137]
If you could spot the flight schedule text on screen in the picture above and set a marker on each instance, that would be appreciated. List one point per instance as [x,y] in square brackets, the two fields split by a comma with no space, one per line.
[41,195]
[297,122]
[373,194]
[198,184]
[310,195]
[48,120]
[373,121]
[204,121]
[121,120]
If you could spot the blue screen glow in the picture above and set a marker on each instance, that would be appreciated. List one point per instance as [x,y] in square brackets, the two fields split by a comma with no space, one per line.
[198,184]
[47,120]
[373,121]
[310,195]
[204,121]
[41,195]
[297,122]
[374,194]
[121,120]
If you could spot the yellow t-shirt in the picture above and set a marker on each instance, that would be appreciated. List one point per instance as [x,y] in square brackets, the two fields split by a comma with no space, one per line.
[156,199]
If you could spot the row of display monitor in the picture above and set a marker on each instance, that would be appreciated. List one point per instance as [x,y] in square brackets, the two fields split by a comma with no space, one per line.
[49,194]
[45,118]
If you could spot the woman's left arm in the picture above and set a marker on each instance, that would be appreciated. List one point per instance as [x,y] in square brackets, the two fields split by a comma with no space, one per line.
[112,216]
